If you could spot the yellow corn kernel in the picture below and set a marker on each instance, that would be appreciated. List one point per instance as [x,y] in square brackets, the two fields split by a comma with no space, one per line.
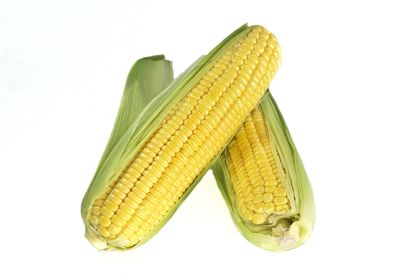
[259,218]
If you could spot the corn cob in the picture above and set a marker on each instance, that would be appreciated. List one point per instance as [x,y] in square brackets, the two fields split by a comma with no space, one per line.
[187,136]
[264,183]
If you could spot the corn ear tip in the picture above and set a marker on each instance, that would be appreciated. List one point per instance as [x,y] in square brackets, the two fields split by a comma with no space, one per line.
[259,27]
[98,243]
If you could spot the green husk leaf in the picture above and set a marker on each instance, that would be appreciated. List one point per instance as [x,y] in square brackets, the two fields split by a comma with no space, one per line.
[303,217]
[148,77]
[128,137]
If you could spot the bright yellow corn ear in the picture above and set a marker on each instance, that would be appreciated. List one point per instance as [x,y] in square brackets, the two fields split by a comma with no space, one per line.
[264,182]
[161,150]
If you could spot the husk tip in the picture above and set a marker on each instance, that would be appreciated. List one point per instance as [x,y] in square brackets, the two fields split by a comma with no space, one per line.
[98,243]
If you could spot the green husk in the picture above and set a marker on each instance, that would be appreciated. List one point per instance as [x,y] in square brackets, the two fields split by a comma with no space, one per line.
[297,185]
[146,102]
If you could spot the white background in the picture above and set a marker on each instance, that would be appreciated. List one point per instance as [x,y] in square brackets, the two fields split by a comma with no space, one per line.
[63,66]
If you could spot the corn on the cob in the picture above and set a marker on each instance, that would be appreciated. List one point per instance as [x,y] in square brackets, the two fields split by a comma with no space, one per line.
[185,140]
[264,182]
[254,172]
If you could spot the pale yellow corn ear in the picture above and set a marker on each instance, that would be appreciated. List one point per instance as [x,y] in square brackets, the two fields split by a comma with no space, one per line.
[264,182]
[188,135]
[253,168]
